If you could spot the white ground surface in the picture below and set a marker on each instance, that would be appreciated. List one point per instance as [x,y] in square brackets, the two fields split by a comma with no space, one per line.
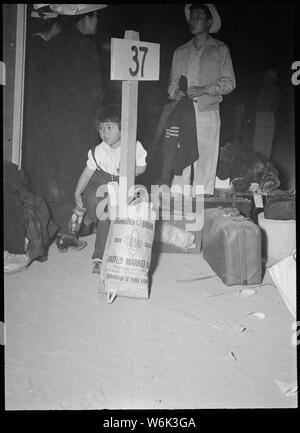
[68,349]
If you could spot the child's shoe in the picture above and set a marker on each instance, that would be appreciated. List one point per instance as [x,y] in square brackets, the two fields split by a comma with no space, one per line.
[96,266]
[64,242]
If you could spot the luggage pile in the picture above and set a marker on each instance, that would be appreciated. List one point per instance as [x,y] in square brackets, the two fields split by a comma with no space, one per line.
[247,227]
[239,248]
[238,239]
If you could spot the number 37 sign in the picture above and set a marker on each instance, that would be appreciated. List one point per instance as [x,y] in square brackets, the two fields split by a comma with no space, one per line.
[134,60]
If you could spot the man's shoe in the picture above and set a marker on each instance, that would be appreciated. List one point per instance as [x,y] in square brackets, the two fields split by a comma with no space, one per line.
[64,242]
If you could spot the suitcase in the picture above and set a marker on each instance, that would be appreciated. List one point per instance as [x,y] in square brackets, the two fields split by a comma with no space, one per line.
[243,204]
[232,246]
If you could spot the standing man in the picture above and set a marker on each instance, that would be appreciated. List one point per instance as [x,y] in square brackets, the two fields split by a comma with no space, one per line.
[207,65]
[267,104]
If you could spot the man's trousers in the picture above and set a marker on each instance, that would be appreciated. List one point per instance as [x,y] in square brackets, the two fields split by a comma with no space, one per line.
[208,135]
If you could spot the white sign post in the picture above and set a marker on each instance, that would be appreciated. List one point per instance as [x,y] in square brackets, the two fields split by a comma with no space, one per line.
[131,61]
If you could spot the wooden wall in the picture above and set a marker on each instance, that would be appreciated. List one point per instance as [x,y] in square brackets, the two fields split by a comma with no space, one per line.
[9,52]
[14,36]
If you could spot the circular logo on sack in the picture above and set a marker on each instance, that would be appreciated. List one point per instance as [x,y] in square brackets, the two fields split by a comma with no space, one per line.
[134,242]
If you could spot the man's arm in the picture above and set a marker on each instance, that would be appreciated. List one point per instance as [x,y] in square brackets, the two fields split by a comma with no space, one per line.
[227,82]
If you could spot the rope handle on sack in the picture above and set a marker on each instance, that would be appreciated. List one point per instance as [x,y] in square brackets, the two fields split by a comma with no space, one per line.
[111,294]
[138,195]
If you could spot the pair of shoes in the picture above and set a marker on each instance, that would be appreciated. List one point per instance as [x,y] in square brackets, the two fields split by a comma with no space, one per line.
[96,266]
[63,242]
[14,263]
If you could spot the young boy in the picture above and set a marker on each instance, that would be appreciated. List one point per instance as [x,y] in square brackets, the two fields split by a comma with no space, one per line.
[103,166]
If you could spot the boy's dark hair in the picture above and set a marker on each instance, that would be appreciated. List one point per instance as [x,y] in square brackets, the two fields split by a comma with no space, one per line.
[42,25]
[203,7]
[109,113]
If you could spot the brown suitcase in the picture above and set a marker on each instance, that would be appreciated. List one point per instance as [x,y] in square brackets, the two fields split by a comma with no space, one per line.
[232,246]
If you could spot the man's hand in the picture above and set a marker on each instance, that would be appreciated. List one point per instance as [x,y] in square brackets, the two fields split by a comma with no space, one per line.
[177,95]
[195,91]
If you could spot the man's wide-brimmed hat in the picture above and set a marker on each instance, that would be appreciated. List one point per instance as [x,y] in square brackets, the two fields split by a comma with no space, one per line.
[51,10]
[216,20]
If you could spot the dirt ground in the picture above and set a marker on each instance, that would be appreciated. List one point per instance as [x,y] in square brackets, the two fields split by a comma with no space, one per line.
[191,345]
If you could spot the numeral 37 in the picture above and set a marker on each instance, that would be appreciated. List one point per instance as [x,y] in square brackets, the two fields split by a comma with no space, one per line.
[135,58]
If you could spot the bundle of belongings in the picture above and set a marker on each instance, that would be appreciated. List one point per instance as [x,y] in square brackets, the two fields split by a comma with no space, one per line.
[245,167]
[180,147]
[28,228]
